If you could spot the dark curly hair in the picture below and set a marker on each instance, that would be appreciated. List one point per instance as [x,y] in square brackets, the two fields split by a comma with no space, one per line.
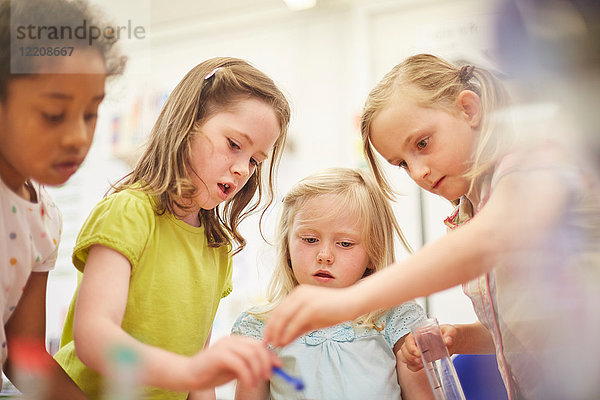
[49,14]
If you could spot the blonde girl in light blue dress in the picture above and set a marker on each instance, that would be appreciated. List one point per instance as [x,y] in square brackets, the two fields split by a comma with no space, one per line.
[335,228]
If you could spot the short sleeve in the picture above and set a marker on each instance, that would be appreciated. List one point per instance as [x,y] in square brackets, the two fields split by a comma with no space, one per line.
[49,262]
[228,287]
[547,157]
[546,140]
[399,319]
[248,325]
[122,221]
[52,226]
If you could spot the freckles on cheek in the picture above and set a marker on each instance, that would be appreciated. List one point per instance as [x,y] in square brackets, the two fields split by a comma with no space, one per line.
[242,186]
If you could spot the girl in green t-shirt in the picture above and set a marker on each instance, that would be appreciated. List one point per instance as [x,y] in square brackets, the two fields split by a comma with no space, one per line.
[156,253]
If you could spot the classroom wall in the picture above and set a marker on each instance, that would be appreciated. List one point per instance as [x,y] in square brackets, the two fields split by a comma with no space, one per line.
[325,59]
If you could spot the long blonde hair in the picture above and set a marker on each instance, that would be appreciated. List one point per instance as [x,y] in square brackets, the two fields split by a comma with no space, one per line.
[163,169]
[354,189]
[435,83]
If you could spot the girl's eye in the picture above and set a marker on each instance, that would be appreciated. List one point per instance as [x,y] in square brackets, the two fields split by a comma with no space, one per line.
[90,116]
[346,244]
[253,162]
[233,144]
[403,164]
[422,143]
[310,239]
[54,118]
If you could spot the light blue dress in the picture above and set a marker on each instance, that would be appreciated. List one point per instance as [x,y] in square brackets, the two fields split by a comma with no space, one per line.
[341,362]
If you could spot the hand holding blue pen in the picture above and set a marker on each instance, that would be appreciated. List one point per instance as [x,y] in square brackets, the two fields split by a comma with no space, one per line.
[296,382]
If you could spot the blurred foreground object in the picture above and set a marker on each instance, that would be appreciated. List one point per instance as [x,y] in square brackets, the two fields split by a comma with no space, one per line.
[32,368]
[123,381]
[551,291]
[552,48]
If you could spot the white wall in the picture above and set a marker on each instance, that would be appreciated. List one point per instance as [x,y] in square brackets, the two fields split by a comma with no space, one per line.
[326,60]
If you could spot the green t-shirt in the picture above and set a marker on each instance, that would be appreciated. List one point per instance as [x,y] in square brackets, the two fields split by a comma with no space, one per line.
[175,287]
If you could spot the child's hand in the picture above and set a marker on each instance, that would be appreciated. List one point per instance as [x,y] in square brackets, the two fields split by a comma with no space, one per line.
[410,355]
[233,357]
[449,334]
[307,308]
[409,352]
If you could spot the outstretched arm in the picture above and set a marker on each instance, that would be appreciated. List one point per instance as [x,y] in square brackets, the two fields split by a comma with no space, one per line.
[97,327]
[458,257]
[27,327]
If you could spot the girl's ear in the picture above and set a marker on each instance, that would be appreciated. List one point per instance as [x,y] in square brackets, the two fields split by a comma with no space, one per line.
[369,271]
[469,104]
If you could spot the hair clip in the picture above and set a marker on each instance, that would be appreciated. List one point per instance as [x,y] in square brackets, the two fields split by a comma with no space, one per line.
[207,77]
[466,73]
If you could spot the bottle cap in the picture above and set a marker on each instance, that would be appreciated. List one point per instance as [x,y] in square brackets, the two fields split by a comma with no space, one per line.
[30,354]
[123,355]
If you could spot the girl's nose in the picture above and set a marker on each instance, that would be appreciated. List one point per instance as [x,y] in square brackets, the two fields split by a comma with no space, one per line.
[240,167]
[419,172]
[78,135]
[325,256]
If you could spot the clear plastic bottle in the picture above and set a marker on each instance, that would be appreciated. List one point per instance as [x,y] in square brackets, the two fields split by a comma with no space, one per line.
[32,366]
[122,380]
[436,360]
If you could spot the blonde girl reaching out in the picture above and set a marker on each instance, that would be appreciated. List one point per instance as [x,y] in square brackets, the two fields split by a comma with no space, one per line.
[528,256]
[337,227]
[156,254]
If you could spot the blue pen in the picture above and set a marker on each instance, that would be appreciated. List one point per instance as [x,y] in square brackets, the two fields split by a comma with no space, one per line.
[296,382]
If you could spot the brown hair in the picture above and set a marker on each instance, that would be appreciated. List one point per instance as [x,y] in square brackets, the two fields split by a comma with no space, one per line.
[163,169]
